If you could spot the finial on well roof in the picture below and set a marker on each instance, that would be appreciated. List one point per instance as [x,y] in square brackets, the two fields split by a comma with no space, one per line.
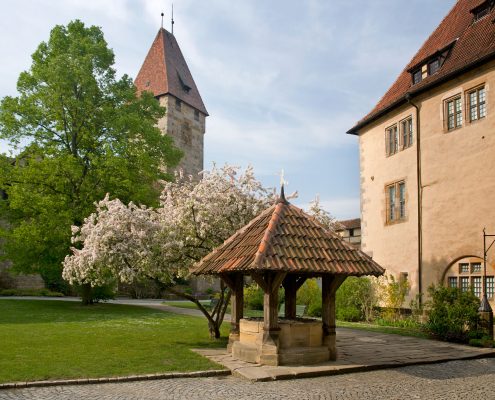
[282,191]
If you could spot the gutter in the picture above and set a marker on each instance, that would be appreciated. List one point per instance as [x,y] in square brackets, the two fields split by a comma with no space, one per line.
[419,188]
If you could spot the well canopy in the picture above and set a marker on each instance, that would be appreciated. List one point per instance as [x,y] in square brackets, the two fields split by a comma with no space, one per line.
[284,238]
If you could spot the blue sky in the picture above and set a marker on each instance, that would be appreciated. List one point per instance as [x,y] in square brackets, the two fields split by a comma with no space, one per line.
[282,80]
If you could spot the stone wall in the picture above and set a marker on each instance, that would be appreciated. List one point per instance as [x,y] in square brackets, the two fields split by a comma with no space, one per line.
[187,127]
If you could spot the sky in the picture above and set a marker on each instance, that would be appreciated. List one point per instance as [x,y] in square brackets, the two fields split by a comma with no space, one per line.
[282,80]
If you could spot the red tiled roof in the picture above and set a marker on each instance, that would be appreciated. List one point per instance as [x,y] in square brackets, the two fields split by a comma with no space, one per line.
[165,71]
[472,43]
[351,223]
[285,238]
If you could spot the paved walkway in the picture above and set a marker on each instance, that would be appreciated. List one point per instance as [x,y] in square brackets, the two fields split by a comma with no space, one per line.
[458,380]
[357,351]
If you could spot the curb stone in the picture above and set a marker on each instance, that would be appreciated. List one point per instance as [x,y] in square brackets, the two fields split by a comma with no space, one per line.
[117,379]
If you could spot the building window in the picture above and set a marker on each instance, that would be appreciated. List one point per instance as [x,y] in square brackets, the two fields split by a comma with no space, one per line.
[196,115]
[477,104]
[453,110]
[476,285]
[433,66]
[452,281]
[482,10]
[490,287]
[396,201]
[392,139]
[475,268]
[463,268]
[178,104]
[406,128]
[417,76]
[464,283]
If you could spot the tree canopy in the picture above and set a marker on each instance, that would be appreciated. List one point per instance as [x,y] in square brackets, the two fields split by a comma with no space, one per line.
[130,242]
[80,133]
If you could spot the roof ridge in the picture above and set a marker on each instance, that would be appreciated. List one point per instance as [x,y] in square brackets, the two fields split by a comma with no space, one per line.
[265,243]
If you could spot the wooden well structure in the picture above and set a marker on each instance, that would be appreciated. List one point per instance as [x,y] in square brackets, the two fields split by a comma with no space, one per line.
[284,246]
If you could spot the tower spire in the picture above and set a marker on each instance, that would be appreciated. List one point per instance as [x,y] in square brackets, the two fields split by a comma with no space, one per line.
[172,21]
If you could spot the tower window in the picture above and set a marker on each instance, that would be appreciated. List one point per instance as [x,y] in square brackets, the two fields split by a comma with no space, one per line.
[178,104]
[196,115]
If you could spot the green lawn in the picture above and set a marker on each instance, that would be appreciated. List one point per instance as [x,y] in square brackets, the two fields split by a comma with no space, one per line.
[415,332]
[46,339]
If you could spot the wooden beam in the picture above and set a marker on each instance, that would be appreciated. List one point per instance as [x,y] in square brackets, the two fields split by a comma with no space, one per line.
[270,305]
[300,282]
[228,279]
[260,280]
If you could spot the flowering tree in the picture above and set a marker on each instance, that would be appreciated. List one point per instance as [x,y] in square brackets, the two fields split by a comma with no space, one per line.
[132,242]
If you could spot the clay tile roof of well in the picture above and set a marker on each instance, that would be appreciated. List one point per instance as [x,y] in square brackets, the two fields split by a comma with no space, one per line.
[285,238]
[471,43]
[165,71]
[351,223]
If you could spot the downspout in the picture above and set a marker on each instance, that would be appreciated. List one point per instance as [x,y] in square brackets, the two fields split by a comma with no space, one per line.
[420,199]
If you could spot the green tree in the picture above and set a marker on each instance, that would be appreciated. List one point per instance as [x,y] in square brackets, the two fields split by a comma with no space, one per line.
[80,133]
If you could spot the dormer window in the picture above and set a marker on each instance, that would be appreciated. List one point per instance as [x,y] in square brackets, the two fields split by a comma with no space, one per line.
[482,10]
[417,76]
[433,66]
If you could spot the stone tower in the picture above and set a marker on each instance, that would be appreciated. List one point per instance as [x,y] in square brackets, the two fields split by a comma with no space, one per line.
[165,73]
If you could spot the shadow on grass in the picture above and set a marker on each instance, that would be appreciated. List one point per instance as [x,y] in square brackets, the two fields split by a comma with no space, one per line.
[47,311]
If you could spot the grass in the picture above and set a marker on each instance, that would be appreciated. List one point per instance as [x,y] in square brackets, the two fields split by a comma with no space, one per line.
[410,331]
[59,340]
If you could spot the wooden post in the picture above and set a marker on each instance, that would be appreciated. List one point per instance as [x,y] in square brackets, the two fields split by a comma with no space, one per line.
[236,284]
[270,306]
[330,284]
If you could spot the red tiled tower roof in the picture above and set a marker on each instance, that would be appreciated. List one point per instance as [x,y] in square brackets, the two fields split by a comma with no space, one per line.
[472,43]
[165,71]
[285,238]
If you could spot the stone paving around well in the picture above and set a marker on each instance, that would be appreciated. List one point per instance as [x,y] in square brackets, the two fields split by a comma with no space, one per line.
[357,351]
[456,380]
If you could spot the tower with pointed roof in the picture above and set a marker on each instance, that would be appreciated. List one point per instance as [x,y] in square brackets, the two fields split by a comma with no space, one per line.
[426,159]
[165,74]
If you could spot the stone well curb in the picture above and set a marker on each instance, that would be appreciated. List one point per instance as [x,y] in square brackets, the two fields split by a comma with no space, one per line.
[116,379]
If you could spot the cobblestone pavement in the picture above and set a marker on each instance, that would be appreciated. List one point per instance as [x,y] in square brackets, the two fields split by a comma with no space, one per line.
[453,380]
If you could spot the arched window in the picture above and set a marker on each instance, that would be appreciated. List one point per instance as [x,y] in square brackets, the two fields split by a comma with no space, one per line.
[467,274]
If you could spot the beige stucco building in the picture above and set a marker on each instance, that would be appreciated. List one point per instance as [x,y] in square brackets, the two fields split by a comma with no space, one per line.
[427,159]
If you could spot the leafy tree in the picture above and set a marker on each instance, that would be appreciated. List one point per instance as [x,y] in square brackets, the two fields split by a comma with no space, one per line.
[131,242]
[357,298]
[87,134]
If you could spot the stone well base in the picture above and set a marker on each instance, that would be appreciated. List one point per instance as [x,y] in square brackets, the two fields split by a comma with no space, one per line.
[296,342]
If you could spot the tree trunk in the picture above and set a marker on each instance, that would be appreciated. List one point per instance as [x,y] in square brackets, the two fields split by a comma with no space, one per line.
[86,294]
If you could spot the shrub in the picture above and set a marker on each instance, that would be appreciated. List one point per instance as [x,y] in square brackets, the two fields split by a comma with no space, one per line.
[310,295]
[30,292]
[253,297]
[356,299]
[453,314]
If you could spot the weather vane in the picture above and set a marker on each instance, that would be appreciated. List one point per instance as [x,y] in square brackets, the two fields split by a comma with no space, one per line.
[283,182]
[162,14]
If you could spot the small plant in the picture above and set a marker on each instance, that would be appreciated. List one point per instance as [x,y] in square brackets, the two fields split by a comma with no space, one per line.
[253,297]
[394,294]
